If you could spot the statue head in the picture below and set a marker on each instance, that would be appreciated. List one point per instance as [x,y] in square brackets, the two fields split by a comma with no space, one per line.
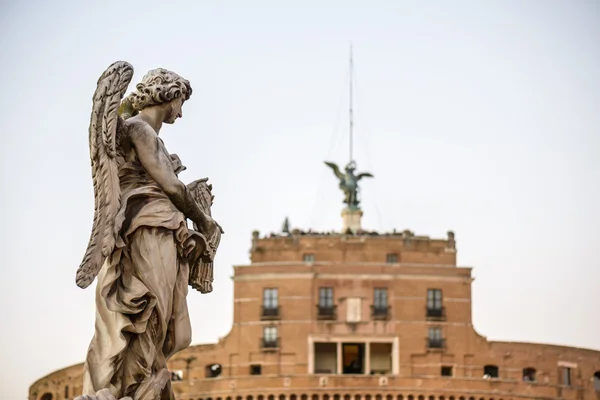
[159,87]
[351,166]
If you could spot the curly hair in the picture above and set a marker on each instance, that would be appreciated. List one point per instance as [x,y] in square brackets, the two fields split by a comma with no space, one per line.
[157,87]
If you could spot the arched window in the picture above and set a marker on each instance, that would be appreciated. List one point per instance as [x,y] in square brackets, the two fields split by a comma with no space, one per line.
[490,371]
[529,374]
[46,396]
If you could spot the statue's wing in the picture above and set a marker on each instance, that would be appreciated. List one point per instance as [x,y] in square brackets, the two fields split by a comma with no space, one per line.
[335,169]
[363,175]
[104,123]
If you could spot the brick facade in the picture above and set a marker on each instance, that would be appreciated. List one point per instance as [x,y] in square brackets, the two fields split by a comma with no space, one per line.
[360,317]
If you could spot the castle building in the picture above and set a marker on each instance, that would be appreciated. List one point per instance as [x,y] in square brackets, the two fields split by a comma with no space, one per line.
[357,315]
[360,316]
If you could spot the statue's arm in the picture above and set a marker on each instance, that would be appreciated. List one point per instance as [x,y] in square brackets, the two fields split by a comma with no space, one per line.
[146,144]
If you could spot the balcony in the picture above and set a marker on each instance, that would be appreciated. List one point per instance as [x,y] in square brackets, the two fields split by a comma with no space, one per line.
[270,313]
[437,314]
[269,344]
[380,312]
[326,312]
[435,343]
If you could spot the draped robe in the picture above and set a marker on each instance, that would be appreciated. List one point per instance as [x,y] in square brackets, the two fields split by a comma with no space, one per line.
[141,311]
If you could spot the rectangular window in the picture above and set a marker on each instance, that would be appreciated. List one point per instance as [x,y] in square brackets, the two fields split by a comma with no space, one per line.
[391,258]
[491,371]
[255,369]
[380,298]
[326,297]
[566,376]
[308,258]
[435,340]
[270,298]
[434,299]
[177,375]
[435,333]
[446,371]
[270,333]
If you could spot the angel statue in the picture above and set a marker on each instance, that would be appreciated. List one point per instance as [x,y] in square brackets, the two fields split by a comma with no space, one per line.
[349,182]
[141,250]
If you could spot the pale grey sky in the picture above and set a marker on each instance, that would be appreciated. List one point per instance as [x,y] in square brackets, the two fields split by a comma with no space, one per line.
[476,116]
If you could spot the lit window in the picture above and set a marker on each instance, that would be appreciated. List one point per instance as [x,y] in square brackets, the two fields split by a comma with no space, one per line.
[270,333]
[326,297]
[434,299]
[270,298]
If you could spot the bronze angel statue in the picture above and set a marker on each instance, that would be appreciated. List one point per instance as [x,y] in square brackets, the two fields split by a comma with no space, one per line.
[349,182]
[141,251]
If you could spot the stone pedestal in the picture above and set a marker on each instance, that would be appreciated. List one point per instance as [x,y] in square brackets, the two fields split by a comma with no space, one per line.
[351,219]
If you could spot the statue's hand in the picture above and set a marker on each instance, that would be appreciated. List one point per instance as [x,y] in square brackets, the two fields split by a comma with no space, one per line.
[209,226]
[215,226]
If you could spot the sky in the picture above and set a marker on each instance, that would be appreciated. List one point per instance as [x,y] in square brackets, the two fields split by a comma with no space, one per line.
[477,117]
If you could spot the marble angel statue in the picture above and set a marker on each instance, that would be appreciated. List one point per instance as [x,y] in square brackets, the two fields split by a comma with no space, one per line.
[141,251]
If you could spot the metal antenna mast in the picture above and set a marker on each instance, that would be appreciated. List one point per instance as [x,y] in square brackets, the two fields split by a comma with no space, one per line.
[350,108]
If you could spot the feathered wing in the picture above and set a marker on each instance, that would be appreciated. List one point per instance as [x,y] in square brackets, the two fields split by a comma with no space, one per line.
[104,124]
[363,175]
[335,169]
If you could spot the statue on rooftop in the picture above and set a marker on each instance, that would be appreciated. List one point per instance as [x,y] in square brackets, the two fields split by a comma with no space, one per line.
[141,249]
[285,228]
[349,182]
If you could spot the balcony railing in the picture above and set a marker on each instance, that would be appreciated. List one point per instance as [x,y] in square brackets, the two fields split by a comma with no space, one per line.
[380,312]
[270,313]
[326,312]
[269,344]
[438,313]
[435,343]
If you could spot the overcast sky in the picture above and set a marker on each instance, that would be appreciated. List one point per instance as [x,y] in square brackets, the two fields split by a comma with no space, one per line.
[476,116]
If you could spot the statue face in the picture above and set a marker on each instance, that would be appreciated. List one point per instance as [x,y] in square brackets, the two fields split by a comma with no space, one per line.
[175,110]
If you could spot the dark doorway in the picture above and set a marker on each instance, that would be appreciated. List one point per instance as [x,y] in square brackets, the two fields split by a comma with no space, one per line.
[353,358]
